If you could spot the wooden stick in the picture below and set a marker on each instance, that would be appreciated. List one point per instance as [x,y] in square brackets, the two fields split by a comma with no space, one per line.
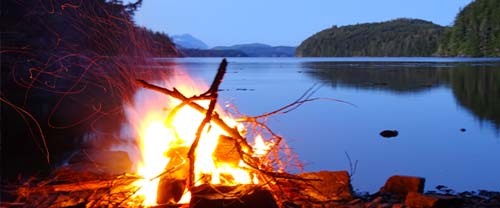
[89,185]
[213,93]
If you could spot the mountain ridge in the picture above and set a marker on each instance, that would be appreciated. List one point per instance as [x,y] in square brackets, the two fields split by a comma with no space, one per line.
[260,50]
[187,41]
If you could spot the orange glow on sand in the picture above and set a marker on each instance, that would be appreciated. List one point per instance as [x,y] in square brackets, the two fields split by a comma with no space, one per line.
[159,140]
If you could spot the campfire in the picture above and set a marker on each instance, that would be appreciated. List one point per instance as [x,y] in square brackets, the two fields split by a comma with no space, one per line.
[193,153]
[189,144]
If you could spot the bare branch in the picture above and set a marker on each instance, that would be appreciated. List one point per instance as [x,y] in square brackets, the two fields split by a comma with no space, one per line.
[213,94]
[304,98]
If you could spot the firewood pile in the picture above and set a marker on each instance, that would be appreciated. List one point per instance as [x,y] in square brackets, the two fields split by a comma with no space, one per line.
[327,189]
[87,190]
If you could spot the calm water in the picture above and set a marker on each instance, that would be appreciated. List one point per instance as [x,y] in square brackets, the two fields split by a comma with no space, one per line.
[428,100]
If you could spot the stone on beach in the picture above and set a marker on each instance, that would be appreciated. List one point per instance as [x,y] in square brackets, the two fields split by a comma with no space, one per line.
[334,185]
[400,186]
[416,200]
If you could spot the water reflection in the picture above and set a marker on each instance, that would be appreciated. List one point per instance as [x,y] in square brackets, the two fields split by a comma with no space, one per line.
[476,87]
[478,90]
[412,96]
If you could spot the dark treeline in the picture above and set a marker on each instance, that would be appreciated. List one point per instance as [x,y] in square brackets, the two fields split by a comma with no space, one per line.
[94,27]
[66,67]
[475,33]
[400,37]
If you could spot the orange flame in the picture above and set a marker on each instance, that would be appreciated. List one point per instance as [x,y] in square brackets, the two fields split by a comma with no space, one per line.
[159,137]
[260,147]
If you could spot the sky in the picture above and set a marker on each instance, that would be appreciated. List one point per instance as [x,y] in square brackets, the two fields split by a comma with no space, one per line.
[281,22]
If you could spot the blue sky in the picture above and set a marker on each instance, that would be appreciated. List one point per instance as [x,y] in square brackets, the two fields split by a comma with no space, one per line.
[281,22]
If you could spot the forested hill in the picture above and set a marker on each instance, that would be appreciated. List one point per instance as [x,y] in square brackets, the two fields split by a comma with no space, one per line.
[476,31]
[400,37]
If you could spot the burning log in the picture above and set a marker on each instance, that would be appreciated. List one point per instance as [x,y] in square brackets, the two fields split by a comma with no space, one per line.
[170,191]
[241,196]
[173,182]
[227,151]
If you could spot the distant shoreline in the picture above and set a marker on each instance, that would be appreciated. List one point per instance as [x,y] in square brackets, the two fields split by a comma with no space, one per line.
[431,59]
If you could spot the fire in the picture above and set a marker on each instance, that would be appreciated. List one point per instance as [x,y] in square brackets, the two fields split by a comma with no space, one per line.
[164,142]
[155,138]
[260,147]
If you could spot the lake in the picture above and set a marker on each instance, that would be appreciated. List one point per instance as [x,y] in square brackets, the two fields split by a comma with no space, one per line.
[446,110]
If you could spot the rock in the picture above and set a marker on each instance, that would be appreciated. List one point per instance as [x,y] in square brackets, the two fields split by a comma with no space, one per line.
[417,200]
[375,202]
[402,185]
[444,189]
[384,205]
[241,196]
[397,206]
[355,201]
[111,162]
[334,185]
[345,206]
[389,133]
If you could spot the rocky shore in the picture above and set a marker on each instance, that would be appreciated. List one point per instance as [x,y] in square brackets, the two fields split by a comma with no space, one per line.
[324,189]
[398,191]
[334,189]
